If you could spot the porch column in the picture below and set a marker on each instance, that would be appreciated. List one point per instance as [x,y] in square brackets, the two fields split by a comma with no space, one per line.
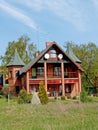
[76,88]
[27,82]
[63,87]
[79,76]
[45,72]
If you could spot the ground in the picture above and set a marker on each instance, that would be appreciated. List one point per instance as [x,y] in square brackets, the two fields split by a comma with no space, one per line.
[56,115]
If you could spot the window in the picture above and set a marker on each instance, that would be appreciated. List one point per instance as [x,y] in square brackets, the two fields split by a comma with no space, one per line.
[52,54]
[68,88]
[10,74]
[57,71]
[40,71]
[16,73]
[33,72]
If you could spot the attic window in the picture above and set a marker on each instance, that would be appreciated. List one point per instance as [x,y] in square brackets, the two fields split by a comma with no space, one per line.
[52,54]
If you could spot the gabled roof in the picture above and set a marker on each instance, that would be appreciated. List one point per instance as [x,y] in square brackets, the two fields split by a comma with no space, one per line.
[16,60]
[72,55]
[28,66]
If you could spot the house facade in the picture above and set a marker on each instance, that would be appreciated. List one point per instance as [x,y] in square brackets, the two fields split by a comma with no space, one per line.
[60,72]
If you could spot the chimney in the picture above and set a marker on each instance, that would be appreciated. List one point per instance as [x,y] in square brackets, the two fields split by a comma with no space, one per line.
[49,43]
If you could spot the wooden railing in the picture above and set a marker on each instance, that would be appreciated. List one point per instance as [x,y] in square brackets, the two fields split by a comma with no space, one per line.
[57,75]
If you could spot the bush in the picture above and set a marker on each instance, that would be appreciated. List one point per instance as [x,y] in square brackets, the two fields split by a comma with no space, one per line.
[83,96]
[43,94]
[29,97]
[24,97]
[74,97]
[1,96]
[62,97]
[55,98]
[69,97]
[1,93]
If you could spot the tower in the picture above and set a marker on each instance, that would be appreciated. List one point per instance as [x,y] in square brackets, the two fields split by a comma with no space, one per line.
[13,72]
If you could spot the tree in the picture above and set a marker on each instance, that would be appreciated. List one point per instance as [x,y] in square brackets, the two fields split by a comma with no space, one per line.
[88,54]
[23,97]
[25,49]
[95,82]
[43,94]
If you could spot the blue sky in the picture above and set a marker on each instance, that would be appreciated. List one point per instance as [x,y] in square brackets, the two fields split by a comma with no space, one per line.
[48,20]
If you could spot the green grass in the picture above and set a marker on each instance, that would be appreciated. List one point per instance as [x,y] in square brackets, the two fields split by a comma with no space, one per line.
[56,115]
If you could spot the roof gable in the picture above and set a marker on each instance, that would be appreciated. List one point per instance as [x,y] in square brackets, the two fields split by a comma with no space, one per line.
[49,47]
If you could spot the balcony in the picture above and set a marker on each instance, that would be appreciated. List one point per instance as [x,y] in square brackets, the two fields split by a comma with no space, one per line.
[56,75]
[56,79]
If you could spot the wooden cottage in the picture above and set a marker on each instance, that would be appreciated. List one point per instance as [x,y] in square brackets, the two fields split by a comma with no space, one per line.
[60,72]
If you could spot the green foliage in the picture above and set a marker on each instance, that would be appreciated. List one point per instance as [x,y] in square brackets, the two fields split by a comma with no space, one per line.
[88,54]
[69,97]
[95,81]
[29,97]
[74,97]
[55,98]
[83,96]
[62,97]
[24,97]
[52,116]
[25,49]
[1,96]
[43,94]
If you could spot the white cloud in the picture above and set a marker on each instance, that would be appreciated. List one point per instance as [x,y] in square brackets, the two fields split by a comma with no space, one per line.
[72,11]
[68,10]
[17,14]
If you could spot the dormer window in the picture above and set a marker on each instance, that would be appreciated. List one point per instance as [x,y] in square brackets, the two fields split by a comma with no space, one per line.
[52,54]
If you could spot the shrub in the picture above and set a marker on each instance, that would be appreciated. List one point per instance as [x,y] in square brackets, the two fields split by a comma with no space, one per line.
[43,94]
[24,97]
[62,97]
[74,97]
[55,98]
[1,96]
[1,93]
[29,97]
[83,96]
[69,97]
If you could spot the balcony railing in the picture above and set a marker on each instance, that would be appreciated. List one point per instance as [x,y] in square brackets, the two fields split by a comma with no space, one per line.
[68,75]
[57,75]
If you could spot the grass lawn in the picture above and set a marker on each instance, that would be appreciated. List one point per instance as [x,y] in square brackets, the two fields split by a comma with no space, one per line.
[58,115]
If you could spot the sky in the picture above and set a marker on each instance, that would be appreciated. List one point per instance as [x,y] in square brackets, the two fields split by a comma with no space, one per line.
[48,20]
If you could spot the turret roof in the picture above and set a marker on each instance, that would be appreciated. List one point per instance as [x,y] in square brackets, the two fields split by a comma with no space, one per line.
[16,60]
[72,55]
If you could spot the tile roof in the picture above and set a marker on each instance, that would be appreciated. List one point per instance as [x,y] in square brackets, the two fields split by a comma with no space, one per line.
[16,60]
[72,55]
[26,67]
[72,59]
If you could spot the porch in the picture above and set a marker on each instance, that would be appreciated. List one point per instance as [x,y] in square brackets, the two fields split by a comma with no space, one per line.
[54,86]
